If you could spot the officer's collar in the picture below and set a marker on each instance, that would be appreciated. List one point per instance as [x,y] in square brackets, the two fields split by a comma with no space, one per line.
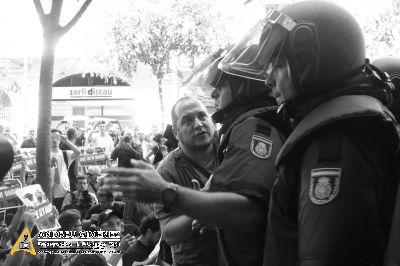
[339,108]
[230,115]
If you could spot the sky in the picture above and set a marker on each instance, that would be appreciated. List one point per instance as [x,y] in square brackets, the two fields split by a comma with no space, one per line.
[21,31]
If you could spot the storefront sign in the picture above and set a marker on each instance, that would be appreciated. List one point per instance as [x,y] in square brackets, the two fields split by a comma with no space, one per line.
[93,93]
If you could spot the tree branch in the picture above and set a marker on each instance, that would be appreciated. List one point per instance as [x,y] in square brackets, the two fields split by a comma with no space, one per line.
[39,11]
[55,11]
[77,16]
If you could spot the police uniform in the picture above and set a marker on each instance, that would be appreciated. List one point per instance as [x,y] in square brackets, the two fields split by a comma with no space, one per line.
[247,152]
[333,199]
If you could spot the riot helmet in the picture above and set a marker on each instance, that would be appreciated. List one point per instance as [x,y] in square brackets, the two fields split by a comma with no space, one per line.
[208,75]
[391,66]
[321,41]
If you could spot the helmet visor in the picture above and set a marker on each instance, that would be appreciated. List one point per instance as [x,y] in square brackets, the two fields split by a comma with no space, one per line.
[206,74]
[251,57]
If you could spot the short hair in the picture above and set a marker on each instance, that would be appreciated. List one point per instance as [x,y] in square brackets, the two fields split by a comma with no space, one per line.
[149,222]
[174,116]
[106,193]
[157,137]
[68,219]
[71,133]
[94,170]
[80,177]
[127,139]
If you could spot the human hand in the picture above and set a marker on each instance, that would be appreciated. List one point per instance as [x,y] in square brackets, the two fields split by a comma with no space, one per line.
[197,225]
[126,242]
[63,138]
[3,230]
[29,217]
[56,214]
[142,183]
[94,218]
[54,161]
[206,187]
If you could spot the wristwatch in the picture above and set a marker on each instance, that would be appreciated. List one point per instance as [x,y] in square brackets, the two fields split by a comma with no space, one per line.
[169,194]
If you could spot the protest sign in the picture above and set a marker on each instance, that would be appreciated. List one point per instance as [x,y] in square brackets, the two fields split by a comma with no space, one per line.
[34,197]
[7,194]
[93,159]
[17,163]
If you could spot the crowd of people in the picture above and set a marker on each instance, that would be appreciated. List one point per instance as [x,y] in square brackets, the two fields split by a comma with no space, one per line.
[304,169]
[79,201]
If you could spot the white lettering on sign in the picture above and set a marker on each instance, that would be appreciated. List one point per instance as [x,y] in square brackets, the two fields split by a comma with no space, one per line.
[44,210]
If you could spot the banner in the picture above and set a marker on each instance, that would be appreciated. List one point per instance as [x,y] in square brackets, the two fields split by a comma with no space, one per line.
[93,159]
[8,198]
[34,197]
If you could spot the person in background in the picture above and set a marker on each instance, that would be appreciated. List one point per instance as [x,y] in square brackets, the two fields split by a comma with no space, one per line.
[150,234]
[93,172]
[111,220]
[73,167]
[61,181]
[101,139]
[30,142]
[10,136]
[159,150]
[106,201]
[70,220]
[80,199]
[124,152]
[81,139]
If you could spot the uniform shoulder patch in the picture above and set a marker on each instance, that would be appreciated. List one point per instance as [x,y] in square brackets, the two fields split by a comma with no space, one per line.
[324,185]
[261,147]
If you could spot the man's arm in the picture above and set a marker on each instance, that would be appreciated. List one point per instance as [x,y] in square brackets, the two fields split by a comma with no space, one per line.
[75,150]
[89,138]
[220,209]
[176,229]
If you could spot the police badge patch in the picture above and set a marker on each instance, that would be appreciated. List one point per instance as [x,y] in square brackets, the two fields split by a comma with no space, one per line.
[324,185]
[260,147]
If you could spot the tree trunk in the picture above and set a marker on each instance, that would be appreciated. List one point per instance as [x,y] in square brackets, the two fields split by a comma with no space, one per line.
[44,120]
[160,94]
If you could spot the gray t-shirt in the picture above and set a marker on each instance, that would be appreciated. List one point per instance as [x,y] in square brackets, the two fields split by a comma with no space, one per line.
[200,249]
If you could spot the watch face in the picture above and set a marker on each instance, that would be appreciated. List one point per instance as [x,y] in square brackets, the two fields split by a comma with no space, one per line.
[169,196]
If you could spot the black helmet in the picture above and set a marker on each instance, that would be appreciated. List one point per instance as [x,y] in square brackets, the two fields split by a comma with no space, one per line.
[392,66]
[208,75]
[322,42]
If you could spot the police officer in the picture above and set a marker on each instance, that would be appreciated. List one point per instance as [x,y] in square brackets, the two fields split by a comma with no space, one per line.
[333,199]
[251,136]
[238,195]
[391,65]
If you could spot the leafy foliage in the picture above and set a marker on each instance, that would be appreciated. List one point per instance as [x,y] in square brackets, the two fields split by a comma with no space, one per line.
[155,32]
[382,32]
